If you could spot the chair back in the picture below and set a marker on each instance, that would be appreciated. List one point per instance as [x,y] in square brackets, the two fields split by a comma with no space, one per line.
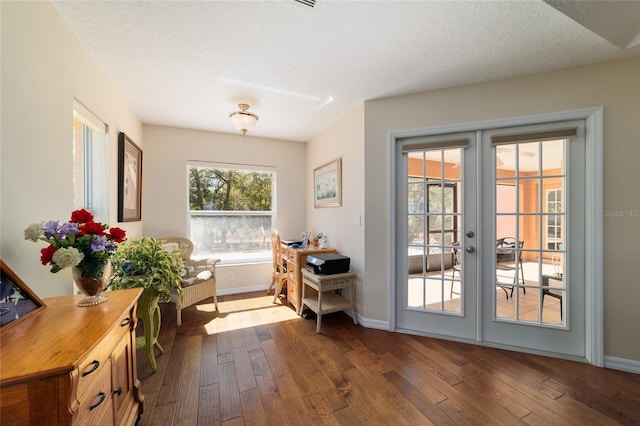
[277,253]
[506,249]
[184,245]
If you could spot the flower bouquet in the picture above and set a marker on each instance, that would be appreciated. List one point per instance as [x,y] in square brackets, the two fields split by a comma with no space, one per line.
[81,244]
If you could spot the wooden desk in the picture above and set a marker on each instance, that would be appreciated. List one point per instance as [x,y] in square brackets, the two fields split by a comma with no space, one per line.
[72,365]
[296,258]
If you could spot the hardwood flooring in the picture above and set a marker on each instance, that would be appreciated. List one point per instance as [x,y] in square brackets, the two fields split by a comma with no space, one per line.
[255,363]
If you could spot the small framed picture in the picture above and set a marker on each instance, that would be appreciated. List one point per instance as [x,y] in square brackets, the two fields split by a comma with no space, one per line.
[17,301]
[327,180]
[305,237]
[129,180]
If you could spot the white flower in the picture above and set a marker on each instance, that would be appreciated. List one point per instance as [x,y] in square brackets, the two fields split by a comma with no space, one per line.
[67,257]
[33,232]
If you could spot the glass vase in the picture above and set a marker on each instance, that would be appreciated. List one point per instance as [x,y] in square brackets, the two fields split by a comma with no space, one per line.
[91,281]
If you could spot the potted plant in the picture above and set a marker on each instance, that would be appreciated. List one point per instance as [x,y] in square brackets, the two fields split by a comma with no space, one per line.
[144,263]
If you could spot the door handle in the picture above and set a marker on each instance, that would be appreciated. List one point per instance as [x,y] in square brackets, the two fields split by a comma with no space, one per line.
[470,249]
[471,234]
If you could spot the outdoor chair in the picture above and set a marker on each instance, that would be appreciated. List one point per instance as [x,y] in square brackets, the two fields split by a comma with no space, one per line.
[506,252]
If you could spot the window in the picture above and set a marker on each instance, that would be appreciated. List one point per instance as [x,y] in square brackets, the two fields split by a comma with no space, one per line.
[231,211]
[90,165]
[554,221]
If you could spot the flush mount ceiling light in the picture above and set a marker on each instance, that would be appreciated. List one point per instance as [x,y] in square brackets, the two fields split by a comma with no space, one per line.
[243,119]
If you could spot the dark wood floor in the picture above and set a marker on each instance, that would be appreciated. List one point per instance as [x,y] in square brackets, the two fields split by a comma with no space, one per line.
[255,363]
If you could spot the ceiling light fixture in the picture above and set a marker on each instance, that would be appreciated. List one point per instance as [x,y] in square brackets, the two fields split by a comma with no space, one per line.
[243,119]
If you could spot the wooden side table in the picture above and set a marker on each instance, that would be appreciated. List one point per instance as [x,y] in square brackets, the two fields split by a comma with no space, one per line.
[327,300]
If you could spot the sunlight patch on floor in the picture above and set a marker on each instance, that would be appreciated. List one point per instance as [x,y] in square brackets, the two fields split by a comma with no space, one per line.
[243,313]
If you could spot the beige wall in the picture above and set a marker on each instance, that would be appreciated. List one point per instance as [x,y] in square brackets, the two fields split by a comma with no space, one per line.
[44,67]
[164,176]
[613,85]
[345,140]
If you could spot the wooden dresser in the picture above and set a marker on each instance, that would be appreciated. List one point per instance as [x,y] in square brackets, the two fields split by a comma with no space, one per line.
[296,259]
[72,365]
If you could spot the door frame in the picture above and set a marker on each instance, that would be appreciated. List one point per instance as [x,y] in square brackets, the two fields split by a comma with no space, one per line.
[594,265]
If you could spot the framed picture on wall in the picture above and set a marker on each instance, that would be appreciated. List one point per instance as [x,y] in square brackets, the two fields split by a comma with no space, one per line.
[327,180]
[17,301]
[129,180]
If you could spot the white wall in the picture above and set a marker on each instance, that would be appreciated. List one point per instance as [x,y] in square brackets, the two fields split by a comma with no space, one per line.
[165,187]
[44,67]
[345,140]
[614,85]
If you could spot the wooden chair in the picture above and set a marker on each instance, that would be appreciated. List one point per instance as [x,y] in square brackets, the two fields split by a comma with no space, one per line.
[279,274]
[199,281]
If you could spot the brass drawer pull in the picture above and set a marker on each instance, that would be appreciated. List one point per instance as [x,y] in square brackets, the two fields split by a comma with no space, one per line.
[102,396]
[125,322]
[95,366]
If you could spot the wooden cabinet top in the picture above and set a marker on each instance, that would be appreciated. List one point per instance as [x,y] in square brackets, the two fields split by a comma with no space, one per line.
[307,250]
[56,339]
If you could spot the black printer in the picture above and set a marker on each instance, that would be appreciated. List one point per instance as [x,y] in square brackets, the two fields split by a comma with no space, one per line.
[327,263]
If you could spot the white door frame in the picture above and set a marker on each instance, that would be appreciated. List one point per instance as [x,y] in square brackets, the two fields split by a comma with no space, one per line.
[593,117]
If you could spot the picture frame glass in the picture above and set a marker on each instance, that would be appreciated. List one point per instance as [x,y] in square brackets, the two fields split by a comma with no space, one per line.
[129,180]
[17,301]
[327,181]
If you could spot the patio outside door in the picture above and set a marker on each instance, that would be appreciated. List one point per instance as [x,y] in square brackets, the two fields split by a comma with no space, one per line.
[490,236]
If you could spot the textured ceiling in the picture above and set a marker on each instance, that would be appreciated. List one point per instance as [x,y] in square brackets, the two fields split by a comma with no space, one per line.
[189,63]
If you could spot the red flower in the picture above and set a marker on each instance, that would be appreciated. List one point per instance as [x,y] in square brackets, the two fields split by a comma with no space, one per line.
[117,234]
[91,227]
[81,216]
[46,254]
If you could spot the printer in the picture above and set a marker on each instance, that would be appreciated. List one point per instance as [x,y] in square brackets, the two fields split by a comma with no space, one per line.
[327,263]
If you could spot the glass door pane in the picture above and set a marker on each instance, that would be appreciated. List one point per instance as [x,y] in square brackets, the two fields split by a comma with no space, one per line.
[433,185]
[530,179]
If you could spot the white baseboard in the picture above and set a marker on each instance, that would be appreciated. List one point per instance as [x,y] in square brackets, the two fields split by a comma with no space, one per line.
[622,364]
[370,323]
[238,290]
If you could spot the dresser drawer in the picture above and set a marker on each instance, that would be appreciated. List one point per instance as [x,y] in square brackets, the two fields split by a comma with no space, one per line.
[97,401]
[95,362]
[291,257]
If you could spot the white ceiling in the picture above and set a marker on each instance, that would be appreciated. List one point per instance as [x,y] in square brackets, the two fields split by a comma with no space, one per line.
[189,63]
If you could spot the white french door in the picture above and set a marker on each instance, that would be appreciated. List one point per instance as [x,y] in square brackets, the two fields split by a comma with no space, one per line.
[490,236]
[437,202]
[533,285]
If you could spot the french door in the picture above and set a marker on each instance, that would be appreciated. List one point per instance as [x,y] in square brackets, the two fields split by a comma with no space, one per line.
[438,203]
[490,229]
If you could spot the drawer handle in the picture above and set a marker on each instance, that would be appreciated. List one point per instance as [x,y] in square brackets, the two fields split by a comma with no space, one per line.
[94,367]
[125,322]
[102,396]
[118,391]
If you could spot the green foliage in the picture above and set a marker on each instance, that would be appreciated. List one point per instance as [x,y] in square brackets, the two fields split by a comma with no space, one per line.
[229,189]
[144,263]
